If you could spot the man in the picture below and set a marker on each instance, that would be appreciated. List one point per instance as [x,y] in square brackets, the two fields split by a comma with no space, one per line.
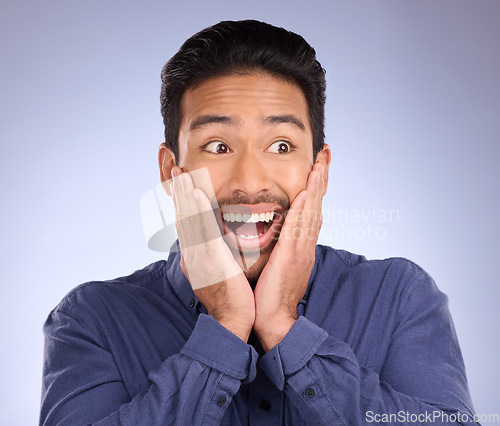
[252,323]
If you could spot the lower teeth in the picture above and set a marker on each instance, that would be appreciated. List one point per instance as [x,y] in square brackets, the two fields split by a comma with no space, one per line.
[249,237]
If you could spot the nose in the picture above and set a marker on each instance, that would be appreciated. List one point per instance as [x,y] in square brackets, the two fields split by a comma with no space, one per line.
[249,175]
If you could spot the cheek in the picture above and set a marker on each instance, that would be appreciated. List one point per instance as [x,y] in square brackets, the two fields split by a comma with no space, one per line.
[288,178]
[218,179]
[292,180]
[208,179]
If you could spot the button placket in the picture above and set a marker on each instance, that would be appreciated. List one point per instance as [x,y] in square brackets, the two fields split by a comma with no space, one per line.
[265,405]
[309,392]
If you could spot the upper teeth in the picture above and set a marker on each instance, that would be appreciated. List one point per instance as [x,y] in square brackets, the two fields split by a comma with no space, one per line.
[248,218]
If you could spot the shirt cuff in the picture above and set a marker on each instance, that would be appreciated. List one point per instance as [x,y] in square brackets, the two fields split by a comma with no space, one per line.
[214,345]
[293,352]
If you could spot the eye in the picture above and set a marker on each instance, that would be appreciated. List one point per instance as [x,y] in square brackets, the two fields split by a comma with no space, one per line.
[216,148]
[280,147]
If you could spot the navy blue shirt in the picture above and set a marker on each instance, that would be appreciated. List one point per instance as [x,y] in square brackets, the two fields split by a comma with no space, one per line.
[373,338]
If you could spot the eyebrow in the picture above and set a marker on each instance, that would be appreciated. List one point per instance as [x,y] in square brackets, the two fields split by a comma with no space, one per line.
[280,119]
[203,120]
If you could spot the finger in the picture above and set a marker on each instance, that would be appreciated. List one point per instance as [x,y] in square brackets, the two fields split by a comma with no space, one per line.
[200,236]
[320,184]
[205,225]
[311,217]
[167,183]
[195,212]
[191,226]
[303,200]
[291,229]
[182,222]
[198,220]
[312,190]
[183,188]
[298,205]
[209,245]
[178,195]
[186,210]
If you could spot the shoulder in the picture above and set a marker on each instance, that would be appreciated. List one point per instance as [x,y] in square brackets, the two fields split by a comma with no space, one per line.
[395,274]
[350,261]
[94,295]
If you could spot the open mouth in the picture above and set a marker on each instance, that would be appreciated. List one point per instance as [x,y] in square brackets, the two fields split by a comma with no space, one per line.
[249,226]
[245,226]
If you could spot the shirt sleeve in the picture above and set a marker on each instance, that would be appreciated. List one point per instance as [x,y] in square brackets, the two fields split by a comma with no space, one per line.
[422,380]
[82,385]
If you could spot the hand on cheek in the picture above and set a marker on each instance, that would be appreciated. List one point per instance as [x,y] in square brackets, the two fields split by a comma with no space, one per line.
[216,278]
[283,281]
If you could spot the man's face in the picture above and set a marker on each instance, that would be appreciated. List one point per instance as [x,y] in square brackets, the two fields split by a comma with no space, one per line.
[252,133]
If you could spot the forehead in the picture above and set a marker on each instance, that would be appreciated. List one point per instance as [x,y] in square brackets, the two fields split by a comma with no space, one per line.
[245,97]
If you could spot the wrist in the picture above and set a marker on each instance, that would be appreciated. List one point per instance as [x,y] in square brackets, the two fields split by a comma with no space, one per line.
[239,329]
[270,333]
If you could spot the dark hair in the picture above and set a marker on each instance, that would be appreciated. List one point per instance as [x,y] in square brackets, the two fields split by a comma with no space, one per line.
[242,46]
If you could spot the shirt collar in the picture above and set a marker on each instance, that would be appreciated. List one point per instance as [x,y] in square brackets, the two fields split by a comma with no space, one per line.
[182,287]
[178,280]
[318,253]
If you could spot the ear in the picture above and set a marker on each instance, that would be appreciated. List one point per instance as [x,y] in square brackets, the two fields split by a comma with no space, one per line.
[166,161]
[324,158]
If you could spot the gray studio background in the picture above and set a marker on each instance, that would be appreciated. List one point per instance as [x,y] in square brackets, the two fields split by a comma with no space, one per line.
[413,117]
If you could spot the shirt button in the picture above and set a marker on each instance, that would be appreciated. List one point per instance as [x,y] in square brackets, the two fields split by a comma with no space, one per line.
[191,303]
[265,405]
[309,393]
[221,401]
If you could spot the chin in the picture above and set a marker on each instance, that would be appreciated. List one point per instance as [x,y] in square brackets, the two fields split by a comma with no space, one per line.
[253,262]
